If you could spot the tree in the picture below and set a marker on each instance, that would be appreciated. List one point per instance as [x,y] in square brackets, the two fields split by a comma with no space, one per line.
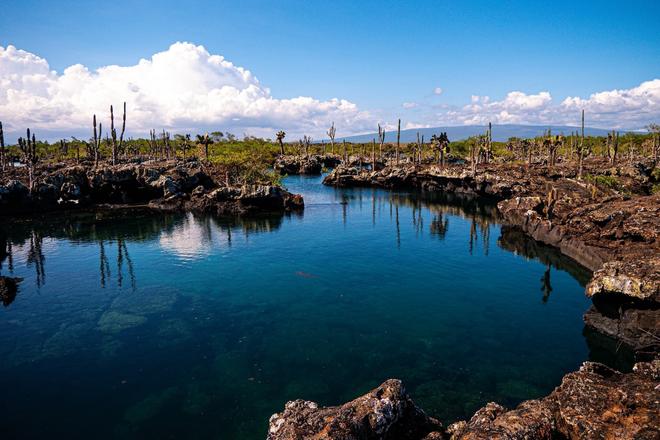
[280,135]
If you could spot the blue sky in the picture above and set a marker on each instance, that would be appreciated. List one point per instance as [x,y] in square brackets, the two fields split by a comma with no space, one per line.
[377,55]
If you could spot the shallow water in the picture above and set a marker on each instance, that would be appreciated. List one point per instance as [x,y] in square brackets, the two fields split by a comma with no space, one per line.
[196,327]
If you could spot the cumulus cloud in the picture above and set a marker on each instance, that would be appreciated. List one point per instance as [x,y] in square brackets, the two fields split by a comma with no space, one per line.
[182,88]
[628,108]
[187,89]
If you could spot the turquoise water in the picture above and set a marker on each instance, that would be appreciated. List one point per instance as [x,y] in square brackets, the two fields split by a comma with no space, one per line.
[195,327]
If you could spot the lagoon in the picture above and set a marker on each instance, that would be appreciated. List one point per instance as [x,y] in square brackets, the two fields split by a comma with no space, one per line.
[174,326]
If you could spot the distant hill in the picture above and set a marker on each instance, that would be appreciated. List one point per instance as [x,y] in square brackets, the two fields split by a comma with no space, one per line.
[500,132]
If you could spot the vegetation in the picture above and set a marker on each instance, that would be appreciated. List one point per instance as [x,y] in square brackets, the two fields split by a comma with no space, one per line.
[251,158]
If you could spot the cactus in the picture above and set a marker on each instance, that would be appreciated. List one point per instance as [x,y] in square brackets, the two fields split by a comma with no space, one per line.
[28,147]
[581,150]
[398,141]
[381,141]
[612,146]
[2,148]
[204,141]
[331,134]
[280,135]
[117,147]
[550,202]
[96,145]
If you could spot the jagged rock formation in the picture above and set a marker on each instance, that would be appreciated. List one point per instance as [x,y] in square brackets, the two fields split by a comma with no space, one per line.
[293,165]
[595,402]
[160,185]
[386,412]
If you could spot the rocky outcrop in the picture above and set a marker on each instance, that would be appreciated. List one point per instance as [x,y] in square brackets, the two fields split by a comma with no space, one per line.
[595,402]
[386,412]
[159,185]
[232,200]
[293,165]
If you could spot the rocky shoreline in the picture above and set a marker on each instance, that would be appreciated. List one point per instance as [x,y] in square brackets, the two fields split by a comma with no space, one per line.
[594,402]
[156,185]
[612,231]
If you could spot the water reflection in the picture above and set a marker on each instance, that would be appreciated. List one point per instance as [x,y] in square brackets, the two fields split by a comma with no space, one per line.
[515,240]
[188,236]
[193,237]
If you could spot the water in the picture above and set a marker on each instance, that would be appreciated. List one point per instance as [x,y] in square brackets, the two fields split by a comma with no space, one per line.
[193,327]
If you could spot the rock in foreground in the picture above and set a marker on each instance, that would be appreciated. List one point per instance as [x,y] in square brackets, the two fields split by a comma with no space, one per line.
[595,402]
[386,412]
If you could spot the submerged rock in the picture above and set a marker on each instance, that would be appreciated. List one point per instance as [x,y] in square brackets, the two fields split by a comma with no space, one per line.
[386,412]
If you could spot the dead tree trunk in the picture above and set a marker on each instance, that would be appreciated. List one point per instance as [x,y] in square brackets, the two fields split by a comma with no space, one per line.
[398,141]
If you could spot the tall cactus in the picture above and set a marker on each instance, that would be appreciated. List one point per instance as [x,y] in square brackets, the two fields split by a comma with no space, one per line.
[280,135]
[332,131]
[381,142]
[398,141]
[28,147]
[117,147]
[581,152]
[96,146]
[2,148]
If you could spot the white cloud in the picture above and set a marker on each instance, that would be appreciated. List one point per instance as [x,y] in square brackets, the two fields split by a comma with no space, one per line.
[634,107]
[183,88]
[438,91]
[414,125]
[630,108]
[187,89]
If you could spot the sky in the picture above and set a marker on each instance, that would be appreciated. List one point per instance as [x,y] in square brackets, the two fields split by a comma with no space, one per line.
[252,67]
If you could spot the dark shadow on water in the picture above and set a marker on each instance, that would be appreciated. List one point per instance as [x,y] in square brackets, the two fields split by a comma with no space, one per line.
[515,240]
